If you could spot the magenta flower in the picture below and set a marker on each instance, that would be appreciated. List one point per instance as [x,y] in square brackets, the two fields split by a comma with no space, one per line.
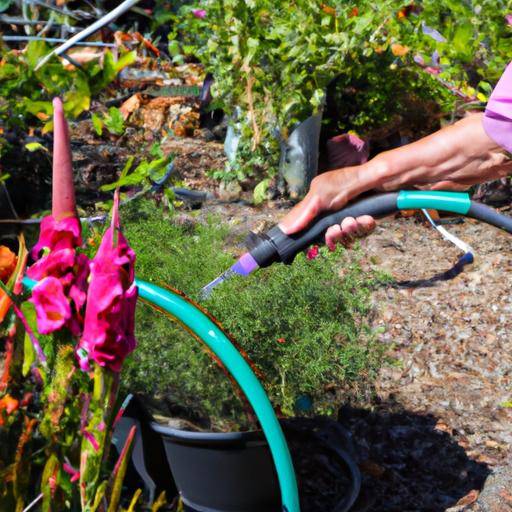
[52,306]
[508,19]
[58,234]
[199,13]
[56,264]
[78,289]
[312,253]
[109,329]
[75,474]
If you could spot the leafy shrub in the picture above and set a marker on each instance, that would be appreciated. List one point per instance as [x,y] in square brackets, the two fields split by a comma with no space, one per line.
[302,325]
[273,61]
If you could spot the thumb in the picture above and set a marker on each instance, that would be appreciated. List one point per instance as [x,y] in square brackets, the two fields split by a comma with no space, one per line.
[300,216]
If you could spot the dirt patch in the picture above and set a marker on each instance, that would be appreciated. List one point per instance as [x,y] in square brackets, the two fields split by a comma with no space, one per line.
[451,342]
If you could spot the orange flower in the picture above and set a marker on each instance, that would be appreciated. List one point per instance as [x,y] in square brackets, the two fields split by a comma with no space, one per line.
[398,50]
[354,12]
[8,262]
[9,405]
[5,304]
[329,10]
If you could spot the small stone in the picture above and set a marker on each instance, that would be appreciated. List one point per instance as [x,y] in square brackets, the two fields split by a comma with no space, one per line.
[229,191]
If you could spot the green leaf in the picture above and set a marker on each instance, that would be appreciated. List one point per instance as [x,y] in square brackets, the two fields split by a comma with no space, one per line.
[120,471]
[97,123]
[51,467]
[29,355]
[114,121]
[125,60]
[76,102]
[156,150]
[34,51]
[100,493]
[109,69]
[173,48]
[462,38]
[38,107]
[35,146]
[8,70]
[260,191]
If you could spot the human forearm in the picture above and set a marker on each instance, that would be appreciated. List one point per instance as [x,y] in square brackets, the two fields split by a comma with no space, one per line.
[455,157]
[458,156]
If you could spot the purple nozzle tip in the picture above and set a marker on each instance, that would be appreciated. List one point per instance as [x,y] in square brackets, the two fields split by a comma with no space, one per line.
[245,265]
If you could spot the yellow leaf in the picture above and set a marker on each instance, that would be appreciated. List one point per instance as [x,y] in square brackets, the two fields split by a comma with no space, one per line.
[48,127]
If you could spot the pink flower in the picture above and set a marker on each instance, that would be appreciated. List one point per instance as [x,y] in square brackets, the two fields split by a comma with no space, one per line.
[199,13]
[78,289]
[508,19]
[56,264]
[58,234]
[75,474]
[91,439]
[58,259]
[312,253]
[52,306]
[432,70]
[109,329]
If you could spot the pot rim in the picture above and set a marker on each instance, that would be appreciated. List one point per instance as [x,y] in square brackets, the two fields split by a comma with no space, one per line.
[249,437]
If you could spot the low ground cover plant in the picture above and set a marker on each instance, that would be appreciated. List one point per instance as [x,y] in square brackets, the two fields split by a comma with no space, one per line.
[303,326]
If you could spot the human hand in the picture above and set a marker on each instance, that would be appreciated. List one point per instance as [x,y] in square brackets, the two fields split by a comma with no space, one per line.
[331,191]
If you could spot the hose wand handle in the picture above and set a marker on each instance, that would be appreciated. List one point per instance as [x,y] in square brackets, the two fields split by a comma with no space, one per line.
[276,246]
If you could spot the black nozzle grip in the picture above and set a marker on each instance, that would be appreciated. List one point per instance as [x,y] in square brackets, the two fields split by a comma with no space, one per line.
[277,246]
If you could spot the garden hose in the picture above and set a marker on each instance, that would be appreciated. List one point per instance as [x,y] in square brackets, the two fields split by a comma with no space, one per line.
[275,246]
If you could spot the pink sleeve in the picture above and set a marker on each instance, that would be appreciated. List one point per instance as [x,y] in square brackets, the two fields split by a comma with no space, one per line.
[498,114]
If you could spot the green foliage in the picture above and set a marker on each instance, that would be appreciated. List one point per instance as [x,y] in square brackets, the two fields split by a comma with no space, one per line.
[273,61]
[302,325]
[112,120]
[26,94]
[478,45]
[145,174]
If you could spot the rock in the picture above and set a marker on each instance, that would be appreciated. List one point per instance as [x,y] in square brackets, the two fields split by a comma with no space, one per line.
[229,191]
[496,496]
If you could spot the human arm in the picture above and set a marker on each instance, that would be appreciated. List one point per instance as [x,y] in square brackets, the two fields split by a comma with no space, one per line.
[454,157]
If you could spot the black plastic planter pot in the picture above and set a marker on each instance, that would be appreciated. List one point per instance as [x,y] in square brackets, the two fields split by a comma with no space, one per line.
[222,472]
[234,472]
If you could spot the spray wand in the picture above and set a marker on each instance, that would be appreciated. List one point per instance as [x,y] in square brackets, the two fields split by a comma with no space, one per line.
[275,246]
